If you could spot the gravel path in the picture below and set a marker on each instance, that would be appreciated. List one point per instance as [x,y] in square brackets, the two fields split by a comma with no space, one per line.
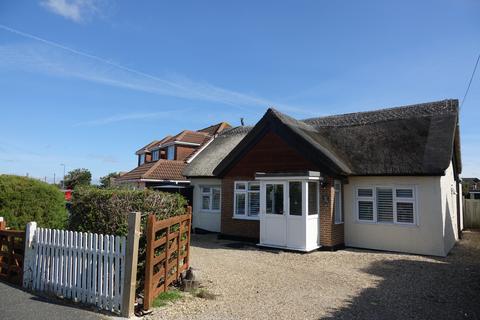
[252,283]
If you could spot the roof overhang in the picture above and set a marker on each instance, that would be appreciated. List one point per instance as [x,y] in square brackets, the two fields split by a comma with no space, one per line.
[298,175]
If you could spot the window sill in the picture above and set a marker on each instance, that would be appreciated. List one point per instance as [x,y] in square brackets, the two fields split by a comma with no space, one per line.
[246,218]
[209,211]
[343,222]
[390,224]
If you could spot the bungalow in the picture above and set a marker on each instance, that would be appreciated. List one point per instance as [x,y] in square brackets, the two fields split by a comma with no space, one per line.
[385,179]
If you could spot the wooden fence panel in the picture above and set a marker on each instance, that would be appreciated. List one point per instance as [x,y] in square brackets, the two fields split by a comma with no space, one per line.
[12,246]
[168,253]
[471,213]
[84,267]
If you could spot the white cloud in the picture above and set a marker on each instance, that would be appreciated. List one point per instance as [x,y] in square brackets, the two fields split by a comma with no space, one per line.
[58,60]
[75,10]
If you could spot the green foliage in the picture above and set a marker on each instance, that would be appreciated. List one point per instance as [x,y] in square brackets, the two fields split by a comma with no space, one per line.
[24,199]
[168,296]
[106,181]
[106,210]
[78,177]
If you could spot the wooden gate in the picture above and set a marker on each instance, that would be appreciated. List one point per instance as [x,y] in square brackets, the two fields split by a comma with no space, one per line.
[168,250]
[12,247]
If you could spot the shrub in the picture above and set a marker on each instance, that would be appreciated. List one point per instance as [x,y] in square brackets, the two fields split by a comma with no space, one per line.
[106,210]
[24,199]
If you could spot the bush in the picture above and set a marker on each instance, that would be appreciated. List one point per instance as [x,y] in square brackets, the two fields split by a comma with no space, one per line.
[24,199]
[106,210]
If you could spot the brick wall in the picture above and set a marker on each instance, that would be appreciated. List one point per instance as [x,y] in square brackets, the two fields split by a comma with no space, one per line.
[235,227]
[182,152]
[331,234]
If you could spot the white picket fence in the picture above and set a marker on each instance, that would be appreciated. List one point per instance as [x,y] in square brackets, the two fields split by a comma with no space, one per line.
[84,267]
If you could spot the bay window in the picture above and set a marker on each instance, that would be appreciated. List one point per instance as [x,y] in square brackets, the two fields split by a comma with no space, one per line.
[389,204]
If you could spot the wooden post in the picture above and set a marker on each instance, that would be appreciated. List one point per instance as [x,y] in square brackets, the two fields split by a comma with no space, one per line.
[3,223]
[29,255]
[149,262]
[189,211]
[131,260]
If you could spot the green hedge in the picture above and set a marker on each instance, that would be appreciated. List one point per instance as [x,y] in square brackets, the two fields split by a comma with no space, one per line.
[106,210]
[24,199]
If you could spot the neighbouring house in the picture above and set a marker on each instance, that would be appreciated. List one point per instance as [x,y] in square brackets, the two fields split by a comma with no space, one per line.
[161,162]
[206,187]
[471,188]
[385,179]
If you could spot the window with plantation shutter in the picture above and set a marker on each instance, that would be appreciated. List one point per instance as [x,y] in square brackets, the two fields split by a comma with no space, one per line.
[384,205]
[365,204]
[391,204]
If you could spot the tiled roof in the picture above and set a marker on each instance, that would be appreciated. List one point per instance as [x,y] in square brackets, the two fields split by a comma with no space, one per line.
[190,137]
[152,145]
[158,170]
[216,128]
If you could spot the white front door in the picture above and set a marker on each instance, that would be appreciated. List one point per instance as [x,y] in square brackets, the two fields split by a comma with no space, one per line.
[273,223]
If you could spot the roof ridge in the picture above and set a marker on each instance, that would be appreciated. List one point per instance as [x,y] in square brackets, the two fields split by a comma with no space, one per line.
[386,114]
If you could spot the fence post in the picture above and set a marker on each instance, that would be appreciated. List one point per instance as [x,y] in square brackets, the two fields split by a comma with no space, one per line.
[131,260]
[29,255]
[3,223]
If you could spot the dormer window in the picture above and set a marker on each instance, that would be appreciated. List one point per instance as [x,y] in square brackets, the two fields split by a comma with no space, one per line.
[171,153]
[141,159]
[155,155]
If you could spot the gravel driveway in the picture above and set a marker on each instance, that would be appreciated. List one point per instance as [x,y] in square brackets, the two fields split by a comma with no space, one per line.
[253,283]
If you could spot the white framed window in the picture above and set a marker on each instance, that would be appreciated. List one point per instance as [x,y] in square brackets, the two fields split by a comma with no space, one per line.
[155,155]
[338,208]
[171,153]
[210,198]
[246,199]
[386,204]
[141,159]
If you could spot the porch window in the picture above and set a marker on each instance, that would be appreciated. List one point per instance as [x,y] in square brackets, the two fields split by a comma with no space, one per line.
[295,198]
[312,198]
[338,209]
[379,204]
[247,199]
[274,198]
[210,198]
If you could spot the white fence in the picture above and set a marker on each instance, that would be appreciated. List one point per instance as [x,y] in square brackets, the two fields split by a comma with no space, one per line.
[84,267]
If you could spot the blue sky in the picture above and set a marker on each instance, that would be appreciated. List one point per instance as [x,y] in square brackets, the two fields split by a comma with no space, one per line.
[86,82]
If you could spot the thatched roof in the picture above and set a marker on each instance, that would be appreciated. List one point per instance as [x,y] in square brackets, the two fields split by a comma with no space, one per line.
[419,139]
[204,163]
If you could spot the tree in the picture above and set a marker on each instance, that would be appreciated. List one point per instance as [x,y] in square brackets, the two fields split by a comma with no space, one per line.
[106,181]
[24,199]
[78,177]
